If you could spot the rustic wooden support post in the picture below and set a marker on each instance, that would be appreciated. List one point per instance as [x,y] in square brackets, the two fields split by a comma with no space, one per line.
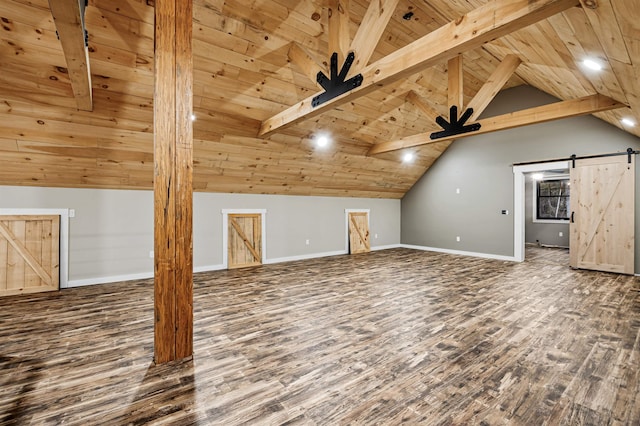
[173,185]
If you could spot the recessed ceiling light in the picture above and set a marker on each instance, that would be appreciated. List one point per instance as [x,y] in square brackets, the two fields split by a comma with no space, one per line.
[192,117]
[408,157]
[628,122]
[592,64]
[537,176]
[322,141]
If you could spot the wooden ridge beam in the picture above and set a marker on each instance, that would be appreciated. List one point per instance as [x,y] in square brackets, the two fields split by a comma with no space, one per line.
[173,181]
[339,37]
[370,30]
[555,111]
[68,18]
[486,23]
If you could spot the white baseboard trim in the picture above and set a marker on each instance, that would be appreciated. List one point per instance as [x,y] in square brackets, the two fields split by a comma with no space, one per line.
[387,247]
[131,277]
[209,268]
[325,254]
[304,257]
[461,253]
[111,279]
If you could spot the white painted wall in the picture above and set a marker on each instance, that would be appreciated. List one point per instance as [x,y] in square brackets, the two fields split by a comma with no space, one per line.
[111,235]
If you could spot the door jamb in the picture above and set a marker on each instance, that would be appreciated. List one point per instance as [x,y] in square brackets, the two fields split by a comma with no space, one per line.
[225,232]
[518,201]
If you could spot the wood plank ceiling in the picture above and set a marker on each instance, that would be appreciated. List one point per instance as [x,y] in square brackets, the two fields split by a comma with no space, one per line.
[243,76]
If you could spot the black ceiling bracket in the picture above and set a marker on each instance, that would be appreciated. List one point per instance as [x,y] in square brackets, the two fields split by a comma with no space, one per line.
[336,85]
[455,126]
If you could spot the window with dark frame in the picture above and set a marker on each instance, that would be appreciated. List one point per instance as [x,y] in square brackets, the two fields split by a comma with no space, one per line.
[553,199]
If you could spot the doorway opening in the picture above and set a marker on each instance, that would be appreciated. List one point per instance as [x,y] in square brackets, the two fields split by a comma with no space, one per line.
[520,174]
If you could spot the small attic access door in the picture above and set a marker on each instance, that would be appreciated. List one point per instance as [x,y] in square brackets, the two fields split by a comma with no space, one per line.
[243,238]
[603,211]
[29,254]
[358,231]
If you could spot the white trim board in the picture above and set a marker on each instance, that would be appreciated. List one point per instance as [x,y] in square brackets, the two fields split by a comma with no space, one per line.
[461,253]
[387,247]
[211,268]
[225,232]
[304,257]
[518,201]
[64,236]
[111,279]
[325,254]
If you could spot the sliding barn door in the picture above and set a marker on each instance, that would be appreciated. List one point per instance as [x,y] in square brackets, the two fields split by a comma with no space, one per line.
[359,232]
[29,254]
[245,240]
[602,223]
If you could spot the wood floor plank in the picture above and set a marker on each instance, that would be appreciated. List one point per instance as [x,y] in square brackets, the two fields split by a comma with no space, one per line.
[388,337]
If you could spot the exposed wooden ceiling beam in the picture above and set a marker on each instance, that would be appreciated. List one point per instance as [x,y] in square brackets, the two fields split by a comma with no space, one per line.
[67,16]
[339,37]
[493,20]
[370,30]
[485,95]
[480,101]
[305,61]
[558,110]
[455,89]
[494,84]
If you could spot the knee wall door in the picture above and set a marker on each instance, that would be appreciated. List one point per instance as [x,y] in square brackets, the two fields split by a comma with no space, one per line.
[29,254]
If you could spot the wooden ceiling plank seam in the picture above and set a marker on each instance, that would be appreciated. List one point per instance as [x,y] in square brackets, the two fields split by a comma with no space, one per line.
[605,24]
[371,28]
[479,26]
[566,36]
[27,14]
[605,82]
[339,37]
[555,111]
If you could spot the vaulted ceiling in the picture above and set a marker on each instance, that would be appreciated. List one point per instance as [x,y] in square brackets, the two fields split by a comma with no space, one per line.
[246,71]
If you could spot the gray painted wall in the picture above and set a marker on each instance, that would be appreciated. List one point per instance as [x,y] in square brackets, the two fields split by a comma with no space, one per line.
[543,233]
[433,214]
[112,232]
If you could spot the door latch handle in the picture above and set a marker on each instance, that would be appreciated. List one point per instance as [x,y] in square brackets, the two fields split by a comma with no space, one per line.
[572,213]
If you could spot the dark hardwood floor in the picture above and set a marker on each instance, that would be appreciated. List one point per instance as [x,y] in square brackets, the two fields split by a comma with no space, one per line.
[390,337]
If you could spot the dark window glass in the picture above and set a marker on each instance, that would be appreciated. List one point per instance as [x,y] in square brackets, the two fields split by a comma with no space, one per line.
[553,199]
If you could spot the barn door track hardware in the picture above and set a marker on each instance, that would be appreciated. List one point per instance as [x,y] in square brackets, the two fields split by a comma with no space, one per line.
[455,126]
[336,85]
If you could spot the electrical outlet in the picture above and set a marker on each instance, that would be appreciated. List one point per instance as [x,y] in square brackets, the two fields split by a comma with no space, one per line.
[457,190]
[458,239]
[151,254]
[306,242]
[72,212]
[560,234]
[375,236]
